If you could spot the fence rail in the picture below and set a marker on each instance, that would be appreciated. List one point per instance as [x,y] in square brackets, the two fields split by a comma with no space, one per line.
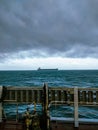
[87,96]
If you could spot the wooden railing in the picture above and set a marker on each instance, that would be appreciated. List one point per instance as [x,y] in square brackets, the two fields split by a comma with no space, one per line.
[87,96]
[50,95]
[23,95]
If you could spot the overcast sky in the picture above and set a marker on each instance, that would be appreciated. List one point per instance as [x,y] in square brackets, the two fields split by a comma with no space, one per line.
[49,34]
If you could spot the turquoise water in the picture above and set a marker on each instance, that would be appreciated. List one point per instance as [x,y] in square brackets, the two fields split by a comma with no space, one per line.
[61,78]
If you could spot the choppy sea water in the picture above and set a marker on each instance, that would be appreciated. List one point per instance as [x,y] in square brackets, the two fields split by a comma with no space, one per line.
[61,78]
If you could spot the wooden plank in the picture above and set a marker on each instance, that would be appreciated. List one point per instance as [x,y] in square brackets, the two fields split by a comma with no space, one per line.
[18,96]
[64,96]
[15,95]
[21,96]
[79,96]
[59,95]
[1,90]
[90,96]
[97,96]
[27,95]
[52,95]
[84,96]
[24,96]
[76,121]
[71,94]
[0,112]
[30,96]
[35,96]
[40,94]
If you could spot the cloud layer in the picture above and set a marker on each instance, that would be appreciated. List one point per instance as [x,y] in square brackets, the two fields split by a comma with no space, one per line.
[49,27]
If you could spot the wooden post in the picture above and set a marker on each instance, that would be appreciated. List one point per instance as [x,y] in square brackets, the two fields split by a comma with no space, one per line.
[17,113]
[1,90]
[76,122]
[79,95]
[45,96]
[16,95]
[0,112]
[84,96]
[97,96]
[46,111]
[90,96]
[27,95]
[53,95]
[21,95]
[59,95]
[65,96]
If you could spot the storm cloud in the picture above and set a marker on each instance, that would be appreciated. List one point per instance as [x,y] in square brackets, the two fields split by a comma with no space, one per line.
[49,27]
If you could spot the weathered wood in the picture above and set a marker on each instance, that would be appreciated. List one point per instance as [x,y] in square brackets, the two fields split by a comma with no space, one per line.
[40,94]
[34,94]
[97,96]
[1,90]
[46,110]
[76,107]
[0,112]
[79,96]
[16,95]
[52,95]
[64,96]
[24,95]
[84,96]
[21,96]
[90,96]
[59,95]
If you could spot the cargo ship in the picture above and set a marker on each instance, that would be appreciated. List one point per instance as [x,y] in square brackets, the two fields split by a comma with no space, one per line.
[55,69]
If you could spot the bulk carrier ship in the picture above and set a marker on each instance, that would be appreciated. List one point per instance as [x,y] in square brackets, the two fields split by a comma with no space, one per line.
[55,69]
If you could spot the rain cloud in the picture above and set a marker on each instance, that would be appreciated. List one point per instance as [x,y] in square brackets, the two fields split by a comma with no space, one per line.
[49,27]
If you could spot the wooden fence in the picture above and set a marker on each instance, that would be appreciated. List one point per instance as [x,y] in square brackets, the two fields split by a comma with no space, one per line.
[65,95]
[50,95]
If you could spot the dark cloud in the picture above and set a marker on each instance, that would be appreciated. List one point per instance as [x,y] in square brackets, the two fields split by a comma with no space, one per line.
[53,27]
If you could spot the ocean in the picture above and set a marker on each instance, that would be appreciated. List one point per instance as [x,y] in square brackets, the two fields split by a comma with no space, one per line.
[61,78]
